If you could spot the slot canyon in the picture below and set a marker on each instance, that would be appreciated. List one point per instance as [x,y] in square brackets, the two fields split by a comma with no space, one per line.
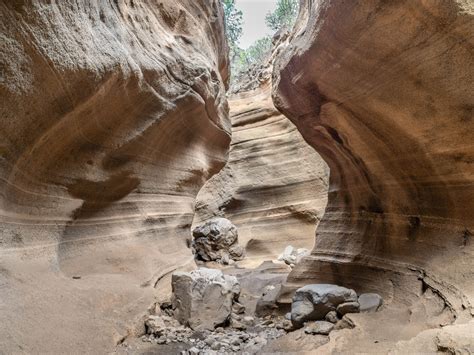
[342,167]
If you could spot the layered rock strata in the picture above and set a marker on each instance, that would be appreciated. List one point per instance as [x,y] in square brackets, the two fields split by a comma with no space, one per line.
[274,186]
[113,116]
[383,91]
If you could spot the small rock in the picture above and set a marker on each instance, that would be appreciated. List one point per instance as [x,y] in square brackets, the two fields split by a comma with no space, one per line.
[344,323]
[348,307]
[332,317]
[285,325]
[238,325]
[288,316]
[216,345]
[238,308]
[319,327]
[292,255]
[249,319]
[370,302]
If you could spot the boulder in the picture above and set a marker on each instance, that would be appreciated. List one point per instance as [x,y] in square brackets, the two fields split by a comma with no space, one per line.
[203,298]
[370,302]
[217,240]
[348,307]
[319,327]
[293,255]
[313,302]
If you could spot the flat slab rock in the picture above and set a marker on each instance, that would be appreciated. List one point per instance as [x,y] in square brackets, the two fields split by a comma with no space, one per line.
[313,302]
[203,298]
[319,327]
[370,302]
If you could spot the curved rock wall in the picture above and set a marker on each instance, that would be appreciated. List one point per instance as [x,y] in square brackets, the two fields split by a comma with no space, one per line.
[383,91]
[113,116]
[273,187]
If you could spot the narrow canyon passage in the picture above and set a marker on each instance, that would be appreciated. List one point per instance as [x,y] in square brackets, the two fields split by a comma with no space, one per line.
[273,186]
[120,134]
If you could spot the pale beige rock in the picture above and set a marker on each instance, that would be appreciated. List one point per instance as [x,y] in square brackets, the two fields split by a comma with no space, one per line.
[383,91]
[203,298]
[113,114]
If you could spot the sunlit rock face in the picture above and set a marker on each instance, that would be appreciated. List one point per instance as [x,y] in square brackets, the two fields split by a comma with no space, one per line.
[383,91]
[274,185]
[113,115]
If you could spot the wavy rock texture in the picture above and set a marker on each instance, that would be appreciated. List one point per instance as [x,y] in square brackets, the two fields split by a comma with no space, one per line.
[113,116]
[383,91]
[274,186]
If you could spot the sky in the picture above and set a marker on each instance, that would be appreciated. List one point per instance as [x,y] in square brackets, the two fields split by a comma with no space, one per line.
[254,12]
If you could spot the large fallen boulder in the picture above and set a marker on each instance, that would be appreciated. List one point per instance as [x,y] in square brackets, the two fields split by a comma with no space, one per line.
[313,302]
[203,298]
[217,240]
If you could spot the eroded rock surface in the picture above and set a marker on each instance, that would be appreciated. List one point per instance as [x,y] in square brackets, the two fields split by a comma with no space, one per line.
[383,91]
[113,116]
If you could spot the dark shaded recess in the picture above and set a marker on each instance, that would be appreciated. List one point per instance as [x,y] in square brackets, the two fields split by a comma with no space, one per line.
[97,195]
[466,237]
[333,133]
[115,160]
[414,224]
[232,204]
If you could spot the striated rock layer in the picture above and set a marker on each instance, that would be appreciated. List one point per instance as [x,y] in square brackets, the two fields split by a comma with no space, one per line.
[383,91]
[113,115]
[274,186]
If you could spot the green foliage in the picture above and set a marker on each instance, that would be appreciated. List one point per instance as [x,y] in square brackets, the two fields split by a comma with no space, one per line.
[233,23]
[284,15]
[254,55]
[259,51]
[242,59]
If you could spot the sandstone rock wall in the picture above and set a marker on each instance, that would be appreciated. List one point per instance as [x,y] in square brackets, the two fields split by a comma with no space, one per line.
[383,91]
[113,115]
[274,186]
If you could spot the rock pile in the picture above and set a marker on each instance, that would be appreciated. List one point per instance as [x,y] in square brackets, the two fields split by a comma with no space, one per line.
[217,240]
[326,303]
[162,329]
[205,315]
[203,298]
